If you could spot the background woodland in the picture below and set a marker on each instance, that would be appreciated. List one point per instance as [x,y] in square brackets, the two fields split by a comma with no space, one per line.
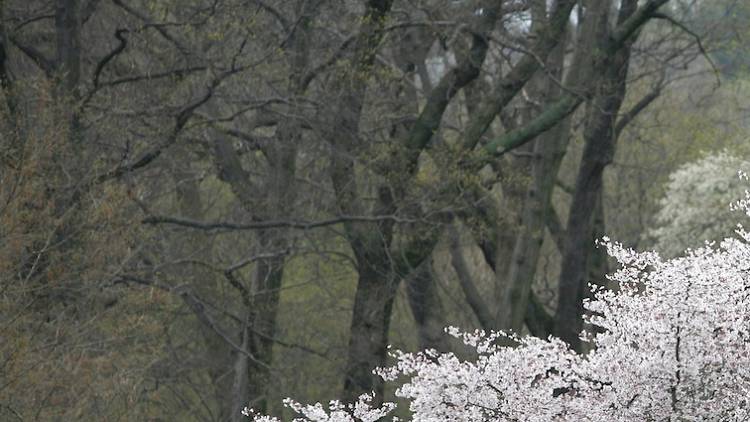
[209,204]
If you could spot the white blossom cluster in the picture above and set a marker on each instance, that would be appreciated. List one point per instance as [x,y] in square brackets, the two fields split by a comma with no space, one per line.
[361,411]
[694,207]
[674,345]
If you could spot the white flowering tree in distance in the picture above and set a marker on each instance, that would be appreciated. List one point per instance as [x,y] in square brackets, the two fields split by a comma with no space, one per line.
[675,346]
[694,206]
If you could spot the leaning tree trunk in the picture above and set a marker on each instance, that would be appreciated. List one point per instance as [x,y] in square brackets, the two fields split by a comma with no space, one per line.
[371,317]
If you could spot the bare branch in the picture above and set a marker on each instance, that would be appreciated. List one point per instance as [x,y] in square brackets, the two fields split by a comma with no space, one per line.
[697,38]
[111,55]
[271,224]
[631,114]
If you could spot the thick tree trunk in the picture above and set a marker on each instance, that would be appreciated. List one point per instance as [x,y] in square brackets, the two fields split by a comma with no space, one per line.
[409,55]
[597,265]
[265,291]
[426,307]
[548,151]
[5,75]
[369,242]
[600,140]
[275,200]
[272,198]
[216,351]
[514,249]
[378,276]
[548,155]
[11,123]
[68,171]
[68,66]
[68,33]
[371,317]
[259,330]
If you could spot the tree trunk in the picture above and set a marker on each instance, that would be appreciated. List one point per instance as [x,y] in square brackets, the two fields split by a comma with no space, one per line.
[68,33]
[600,140]
[547,153]
[369,242]
[240,394]
[216,352]
[68,64]
[266,286]
[371,317]
[275,200]
[428,312]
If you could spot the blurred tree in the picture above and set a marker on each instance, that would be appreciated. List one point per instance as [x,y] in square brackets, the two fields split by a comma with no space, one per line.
[694,207]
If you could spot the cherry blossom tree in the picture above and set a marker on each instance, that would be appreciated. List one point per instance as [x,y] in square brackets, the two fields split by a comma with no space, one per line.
[674,345]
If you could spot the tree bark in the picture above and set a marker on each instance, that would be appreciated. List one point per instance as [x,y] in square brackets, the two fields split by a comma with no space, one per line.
[68,67]
[68,34]
[600,141]
[427,309]
[549,148]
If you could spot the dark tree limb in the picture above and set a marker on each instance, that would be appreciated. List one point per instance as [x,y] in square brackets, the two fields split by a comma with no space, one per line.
[119,34]
[637,108]
[698,41]
[149,23]
[559,110]
[465,72]
[271,224]
[181,119]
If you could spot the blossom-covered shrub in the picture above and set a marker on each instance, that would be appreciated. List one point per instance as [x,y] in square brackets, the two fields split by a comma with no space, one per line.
[675,345]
